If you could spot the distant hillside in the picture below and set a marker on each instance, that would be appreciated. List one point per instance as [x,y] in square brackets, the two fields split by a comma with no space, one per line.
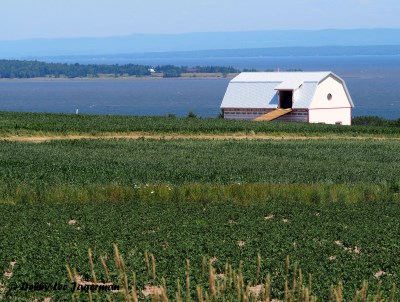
[142,43]
[251,52]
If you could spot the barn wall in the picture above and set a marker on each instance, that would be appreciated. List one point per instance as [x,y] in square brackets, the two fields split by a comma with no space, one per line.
[330,116]
[244,113]
[333,87]
[299,115]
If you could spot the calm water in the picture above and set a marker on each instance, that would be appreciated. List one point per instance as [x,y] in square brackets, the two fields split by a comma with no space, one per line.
[131,97]
[373,82]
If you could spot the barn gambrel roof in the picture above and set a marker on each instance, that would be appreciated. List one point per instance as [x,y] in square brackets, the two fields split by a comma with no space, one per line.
[260,89]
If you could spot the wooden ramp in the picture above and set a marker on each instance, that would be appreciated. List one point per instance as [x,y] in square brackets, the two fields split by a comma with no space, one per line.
[273,114]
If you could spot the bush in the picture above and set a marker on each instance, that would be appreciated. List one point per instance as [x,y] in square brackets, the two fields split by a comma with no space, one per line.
[191,114]
[374,121]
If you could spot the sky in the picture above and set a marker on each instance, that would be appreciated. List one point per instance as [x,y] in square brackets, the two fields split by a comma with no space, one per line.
[25,19]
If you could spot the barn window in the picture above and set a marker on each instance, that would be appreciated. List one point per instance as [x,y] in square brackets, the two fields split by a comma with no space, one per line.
[329,96]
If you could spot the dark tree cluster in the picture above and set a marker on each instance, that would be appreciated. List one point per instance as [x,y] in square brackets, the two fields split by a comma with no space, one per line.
[34,69]
[170,71]
[215,69]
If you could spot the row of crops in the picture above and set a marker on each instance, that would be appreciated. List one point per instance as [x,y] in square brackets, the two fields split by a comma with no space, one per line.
[41,123]
[147,161]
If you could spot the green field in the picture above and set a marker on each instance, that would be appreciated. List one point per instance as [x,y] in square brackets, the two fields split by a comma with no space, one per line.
[330,204]
[183,161]
[63,124]
[94,170]
[42,242]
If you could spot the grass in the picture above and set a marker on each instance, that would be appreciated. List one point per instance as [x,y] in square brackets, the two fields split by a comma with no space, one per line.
[227,284]
[319,193]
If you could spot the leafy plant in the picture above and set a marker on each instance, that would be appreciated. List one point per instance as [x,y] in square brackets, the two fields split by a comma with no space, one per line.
[191,114]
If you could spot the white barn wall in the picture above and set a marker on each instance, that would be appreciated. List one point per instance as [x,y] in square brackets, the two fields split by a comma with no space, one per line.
[330,116]
[336,110]
[336,89]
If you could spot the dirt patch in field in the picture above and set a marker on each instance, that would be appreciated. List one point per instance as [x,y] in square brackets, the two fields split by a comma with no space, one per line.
[138,135]
[151,290]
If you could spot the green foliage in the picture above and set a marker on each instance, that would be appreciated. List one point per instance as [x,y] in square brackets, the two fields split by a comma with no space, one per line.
[171,115]
[333,242]
[198,193]
[141,161]
[331,204]
[33,123]
[219,282]
[33,69]
[215,69]
[251,70]
[375,121]
[191,114]
[170,71]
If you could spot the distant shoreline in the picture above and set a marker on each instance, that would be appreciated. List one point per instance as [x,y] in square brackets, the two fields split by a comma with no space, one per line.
[126,78]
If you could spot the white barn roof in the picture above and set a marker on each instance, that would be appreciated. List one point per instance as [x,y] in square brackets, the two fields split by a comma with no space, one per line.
[259,89]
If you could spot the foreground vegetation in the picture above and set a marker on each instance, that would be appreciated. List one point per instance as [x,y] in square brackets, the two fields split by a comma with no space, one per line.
[332,205]
[216,283]
[335,242]
[12,123]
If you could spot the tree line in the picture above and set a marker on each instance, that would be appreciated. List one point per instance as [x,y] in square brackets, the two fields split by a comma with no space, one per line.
[34,69]
[170,71]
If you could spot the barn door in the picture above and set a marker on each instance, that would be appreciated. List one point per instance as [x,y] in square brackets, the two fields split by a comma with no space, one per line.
[285,99]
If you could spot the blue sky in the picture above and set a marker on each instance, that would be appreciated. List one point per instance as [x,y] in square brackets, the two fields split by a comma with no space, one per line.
[21,19]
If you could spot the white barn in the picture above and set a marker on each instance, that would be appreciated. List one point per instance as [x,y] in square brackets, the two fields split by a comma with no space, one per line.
[311,97]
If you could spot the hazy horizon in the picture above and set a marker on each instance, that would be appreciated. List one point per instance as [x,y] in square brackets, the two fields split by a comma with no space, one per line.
[152,43]
[203,32]
[49,19]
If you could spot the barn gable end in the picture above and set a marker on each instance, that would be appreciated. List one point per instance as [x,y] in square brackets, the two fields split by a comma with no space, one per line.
[331,93]
[331,103]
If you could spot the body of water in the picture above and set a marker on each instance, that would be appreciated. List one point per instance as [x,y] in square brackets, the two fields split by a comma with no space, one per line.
[373,82]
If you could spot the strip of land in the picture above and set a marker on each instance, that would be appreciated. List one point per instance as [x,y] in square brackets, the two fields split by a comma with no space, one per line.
[184,76]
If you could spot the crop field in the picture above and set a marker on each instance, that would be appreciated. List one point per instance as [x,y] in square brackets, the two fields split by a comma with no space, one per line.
[141,161]
[222,216]
[63,124]
[334,242]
